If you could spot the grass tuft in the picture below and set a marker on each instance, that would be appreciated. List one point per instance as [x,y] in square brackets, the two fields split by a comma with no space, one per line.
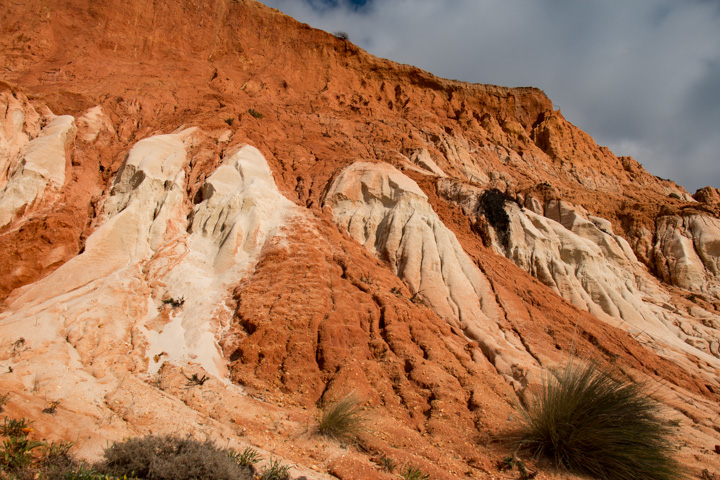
[276,471]
[590,423]
[247,458]
[342,420]
[413,473]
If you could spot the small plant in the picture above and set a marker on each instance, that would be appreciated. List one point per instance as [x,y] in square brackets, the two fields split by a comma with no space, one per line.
[507,463]
[417,299]
[413,473]
[3,401]
[342,35]
[706,475]
[16,451]
[396,291]
[59,449]
[386,463]
[276,471]
[18,344]
[52,408]
[247,458]
[174,303]
[255,114]
[15,428]
[342,420]
[23,458]
[171,458]
[591,423]
[196,380]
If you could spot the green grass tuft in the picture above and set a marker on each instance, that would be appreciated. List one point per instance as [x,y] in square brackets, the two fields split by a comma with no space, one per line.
[588,422]
[413,473]
[276,471]
[342,420]
[247,458]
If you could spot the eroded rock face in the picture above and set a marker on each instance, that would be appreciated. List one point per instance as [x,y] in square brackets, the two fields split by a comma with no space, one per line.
[389,215]
[579,256]
[687,252]
[114,310]
[39,165]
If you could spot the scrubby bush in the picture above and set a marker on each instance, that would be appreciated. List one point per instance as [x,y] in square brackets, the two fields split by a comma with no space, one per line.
[589,422]
[168,457]
[22,458]
[342,420]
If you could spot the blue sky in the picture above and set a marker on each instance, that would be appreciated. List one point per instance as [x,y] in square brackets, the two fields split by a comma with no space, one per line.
[641,76]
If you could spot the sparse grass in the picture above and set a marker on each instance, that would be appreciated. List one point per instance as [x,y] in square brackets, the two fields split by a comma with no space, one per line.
[386,463]
[413,473]
[195,380]
[342,420]
[276,471]
[15,428]
[417,298]
[3,401]
[167,457]
[255,114]
[17,452]
[247,458]
[342,35]
[52,408]
[590,423]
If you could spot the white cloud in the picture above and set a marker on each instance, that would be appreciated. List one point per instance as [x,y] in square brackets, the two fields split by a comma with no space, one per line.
[644,73]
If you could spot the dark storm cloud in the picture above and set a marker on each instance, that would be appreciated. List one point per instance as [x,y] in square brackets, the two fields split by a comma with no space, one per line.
[642,77]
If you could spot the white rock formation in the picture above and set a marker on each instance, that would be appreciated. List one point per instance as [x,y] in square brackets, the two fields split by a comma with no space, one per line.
[100,318]
[92,122]
[422,159]
[390,216]
[241,210]
[580,257]
[40,165]
[19,123]
[687,252]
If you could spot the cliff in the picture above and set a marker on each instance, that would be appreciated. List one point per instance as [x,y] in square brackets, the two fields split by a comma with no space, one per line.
[212,188]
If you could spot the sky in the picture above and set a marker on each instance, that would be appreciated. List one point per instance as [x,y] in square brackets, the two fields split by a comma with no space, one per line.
[640,76]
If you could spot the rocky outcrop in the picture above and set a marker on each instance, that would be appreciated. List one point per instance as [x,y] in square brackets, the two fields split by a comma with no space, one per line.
[39,165]
[580,257]
[687,252]
[390,216]
[115,309]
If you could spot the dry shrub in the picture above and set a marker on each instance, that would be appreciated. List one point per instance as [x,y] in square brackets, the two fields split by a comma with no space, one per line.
[168,457]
